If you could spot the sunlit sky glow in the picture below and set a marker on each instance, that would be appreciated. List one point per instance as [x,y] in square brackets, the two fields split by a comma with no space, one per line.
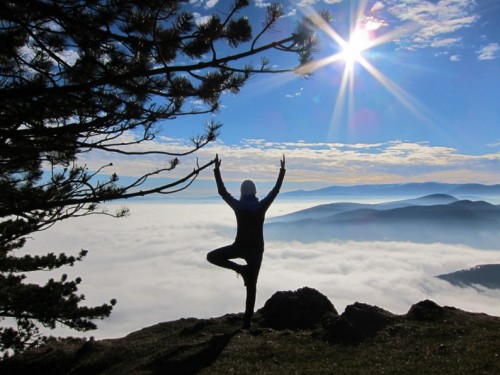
[421,76]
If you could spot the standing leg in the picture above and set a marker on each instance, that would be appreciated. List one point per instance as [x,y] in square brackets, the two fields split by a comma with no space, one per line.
[250,277]
[249,305]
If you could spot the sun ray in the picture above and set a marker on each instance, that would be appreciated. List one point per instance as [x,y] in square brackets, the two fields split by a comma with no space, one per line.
[316,64]
[405,98]
[351,53]
[339,104]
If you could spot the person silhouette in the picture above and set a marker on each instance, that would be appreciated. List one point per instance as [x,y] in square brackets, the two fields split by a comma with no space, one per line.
[249,242]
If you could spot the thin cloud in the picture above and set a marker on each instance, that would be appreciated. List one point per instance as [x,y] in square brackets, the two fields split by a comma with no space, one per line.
[495,144]
[303,3]
[447,42]
[211,3]
[455,58]
[489,52]
[199,19]
[296,94]
[377,7]
[262,3]
[207,4]
[434,21]
[372,23]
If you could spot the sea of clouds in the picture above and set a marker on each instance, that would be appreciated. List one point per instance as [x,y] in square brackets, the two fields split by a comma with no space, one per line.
[154,263]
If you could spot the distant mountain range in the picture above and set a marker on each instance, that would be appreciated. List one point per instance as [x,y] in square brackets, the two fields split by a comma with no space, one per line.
[325,210]
[428,219]
[486,275]
[410,189]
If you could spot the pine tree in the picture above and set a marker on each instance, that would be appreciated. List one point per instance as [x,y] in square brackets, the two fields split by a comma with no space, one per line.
[78,76]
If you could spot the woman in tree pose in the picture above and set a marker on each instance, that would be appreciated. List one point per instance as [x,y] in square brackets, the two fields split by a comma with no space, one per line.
[249,243]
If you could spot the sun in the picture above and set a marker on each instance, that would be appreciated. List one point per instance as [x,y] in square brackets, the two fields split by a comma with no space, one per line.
[352,49]
[357,50]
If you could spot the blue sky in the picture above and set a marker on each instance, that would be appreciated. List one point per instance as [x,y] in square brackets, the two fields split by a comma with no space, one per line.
[447,65]
[421,102]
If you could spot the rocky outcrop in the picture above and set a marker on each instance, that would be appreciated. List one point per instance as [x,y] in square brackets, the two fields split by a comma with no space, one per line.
[358,322]
[425,310]
[304,308]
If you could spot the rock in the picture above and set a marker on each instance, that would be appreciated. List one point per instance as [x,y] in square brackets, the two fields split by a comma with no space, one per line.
[425,310]
[304,308]
[358,322]
[339,329]
[368,319]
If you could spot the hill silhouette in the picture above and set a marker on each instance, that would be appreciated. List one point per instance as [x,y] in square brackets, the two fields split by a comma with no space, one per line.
[395,190]
[325,210]
[286,338]
[485,275]
[428,219]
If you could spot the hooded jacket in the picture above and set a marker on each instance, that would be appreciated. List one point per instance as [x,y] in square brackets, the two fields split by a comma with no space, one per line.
[250,213]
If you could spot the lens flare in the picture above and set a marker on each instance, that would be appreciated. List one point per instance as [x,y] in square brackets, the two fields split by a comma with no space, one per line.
[354,51]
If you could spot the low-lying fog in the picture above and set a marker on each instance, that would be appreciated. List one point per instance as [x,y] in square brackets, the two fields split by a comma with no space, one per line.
[154,264]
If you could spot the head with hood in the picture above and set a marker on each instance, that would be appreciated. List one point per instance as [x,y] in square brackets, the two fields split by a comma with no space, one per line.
[248,189]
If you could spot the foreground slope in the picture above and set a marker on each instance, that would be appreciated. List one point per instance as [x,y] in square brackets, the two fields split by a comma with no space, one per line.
[364,339]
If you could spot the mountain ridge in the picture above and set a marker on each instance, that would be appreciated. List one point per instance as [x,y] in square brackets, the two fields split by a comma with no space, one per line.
[404,189]
[427,219]
[340,207]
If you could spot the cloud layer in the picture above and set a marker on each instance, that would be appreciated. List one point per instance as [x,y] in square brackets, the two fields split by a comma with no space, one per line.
[433,21]
[328,163]
[154,263]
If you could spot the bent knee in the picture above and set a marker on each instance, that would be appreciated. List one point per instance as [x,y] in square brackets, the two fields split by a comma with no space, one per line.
[211,257]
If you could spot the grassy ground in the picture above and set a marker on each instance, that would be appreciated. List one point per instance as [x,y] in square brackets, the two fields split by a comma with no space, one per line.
[458,344]
[454,343]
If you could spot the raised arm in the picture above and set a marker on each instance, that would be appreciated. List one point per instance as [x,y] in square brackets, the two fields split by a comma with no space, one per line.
[266,202]
[221,189]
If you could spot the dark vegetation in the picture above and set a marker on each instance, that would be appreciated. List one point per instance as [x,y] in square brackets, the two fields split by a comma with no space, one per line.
[364,339]
[80,76]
